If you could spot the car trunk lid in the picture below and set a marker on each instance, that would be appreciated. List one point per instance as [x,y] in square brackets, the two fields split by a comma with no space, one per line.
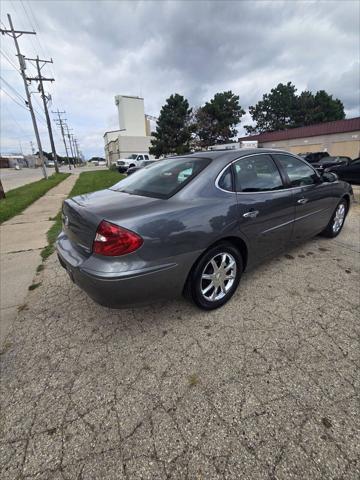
[83,214]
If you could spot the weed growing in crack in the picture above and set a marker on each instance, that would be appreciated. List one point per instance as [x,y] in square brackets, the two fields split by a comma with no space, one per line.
[193,380]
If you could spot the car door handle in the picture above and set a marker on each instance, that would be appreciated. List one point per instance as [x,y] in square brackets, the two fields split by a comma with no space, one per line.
[302,200]
[251,214]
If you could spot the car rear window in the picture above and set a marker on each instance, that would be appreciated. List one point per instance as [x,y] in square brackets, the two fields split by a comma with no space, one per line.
[163,178]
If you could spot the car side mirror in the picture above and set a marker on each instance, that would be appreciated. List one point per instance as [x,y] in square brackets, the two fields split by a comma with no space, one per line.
[329,177]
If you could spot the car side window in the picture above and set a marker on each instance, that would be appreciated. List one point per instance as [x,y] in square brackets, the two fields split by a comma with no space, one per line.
[298,172]
[257,173]
[146,157]
[225,181]
[140,157]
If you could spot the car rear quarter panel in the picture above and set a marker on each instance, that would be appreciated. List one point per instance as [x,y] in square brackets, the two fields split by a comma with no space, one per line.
[175,233]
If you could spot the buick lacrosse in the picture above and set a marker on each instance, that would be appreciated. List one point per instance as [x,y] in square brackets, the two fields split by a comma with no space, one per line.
[193,224]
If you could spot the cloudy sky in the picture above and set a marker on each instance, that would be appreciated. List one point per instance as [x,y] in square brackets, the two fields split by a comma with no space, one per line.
[153,49]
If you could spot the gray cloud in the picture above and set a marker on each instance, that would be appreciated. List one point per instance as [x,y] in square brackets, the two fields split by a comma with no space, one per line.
[195,48]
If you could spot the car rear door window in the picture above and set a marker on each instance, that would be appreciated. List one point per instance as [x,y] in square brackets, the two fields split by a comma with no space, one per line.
[298,172]
[257,173]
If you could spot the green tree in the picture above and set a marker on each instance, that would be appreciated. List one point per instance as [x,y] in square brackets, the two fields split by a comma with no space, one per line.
[304,111]
[282,109]
[327,109]
[217,119]
[173,129]
[275,111]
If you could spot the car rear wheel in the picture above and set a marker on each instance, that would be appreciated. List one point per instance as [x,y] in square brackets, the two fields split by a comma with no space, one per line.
[337,220]
[216,276]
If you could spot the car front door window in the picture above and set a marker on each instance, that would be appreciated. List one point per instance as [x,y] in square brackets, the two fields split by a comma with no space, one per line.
[257,173]
[300,174]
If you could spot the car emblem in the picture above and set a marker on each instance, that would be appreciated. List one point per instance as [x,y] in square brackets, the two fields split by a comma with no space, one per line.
[66,220]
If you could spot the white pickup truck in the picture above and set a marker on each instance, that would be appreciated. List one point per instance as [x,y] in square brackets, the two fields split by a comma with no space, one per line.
[134,160]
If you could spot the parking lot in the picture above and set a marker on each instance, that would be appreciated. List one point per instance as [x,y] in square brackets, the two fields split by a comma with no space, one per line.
[267,387]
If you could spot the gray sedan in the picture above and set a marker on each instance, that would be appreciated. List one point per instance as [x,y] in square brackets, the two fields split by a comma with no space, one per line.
[192,225]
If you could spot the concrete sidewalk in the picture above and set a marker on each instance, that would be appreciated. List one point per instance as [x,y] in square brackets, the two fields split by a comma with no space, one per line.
[21,240]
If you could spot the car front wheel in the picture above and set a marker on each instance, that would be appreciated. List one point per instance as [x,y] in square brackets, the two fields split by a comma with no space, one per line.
[216,276]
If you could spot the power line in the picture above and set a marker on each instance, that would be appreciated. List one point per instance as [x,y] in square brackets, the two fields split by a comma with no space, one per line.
[17,123]
[13,89]
[13,99]
[44,53]
[7,57]
[15,34]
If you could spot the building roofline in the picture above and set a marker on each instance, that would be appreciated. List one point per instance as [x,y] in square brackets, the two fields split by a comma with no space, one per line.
[130,96]
[326,128]
[113,131]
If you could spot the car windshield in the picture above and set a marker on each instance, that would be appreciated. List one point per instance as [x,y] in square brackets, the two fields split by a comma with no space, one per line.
[132,157]
[162,179]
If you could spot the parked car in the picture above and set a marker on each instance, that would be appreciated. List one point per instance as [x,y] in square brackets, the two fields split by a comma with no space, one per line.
[313,157]
[194,224]
[133,160]
[50,163]
[327,162]
[143,164]
[349,173]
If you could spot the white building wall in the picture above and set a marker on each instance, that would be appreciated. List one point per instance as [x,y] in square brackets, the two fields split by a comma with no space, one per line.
[131,116]
[129,145]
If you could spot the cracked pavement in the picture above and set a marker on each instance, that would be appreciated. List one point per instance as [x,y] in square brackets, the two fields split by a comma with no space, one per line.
[266,387]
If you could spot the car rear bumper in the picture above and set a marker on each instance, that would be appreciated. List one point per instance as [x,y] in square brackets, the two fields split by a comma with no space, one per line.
[124,289]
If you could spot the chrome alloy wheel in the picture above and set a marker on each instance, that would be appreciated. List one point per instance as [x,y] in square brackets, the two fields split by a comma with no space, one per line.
[339,218]
[218,277]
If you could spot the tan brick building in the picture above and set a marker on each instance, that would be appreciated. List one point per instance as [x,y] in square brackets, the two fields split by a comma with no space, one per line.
[341,137]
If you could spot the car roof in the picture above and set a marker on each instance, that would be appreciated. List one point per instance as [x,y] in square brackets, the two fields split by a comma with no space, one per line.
[226,156]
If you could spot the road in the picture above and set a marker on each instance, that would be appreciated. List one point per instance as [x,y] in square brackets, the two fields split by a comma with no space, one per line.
[12,178]
[266,387]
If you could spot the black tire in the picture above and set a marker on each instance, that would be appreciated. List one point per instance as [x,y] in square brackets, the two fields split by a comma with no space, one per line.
[331,231]
[196,281]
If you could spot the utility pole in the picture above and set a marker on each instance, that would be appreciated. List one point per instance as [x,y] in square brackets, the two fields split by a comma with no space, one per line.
[61,125]
[41,79]
[15,34]
[77,149]
[71,148]
[75,152]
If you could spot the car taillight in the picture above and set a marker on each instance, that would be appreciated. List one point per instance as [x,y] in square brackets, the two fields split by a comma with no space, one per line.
[112,240]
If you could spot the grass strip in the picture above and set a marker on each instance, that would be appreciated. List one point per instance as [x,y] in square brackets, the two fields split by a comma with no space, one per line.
[20,198]
[87,182]
[93,181]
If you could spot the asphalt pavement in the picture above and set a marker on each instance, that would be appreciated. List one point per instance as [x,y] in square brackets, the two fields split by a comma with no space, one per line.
[266,387]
